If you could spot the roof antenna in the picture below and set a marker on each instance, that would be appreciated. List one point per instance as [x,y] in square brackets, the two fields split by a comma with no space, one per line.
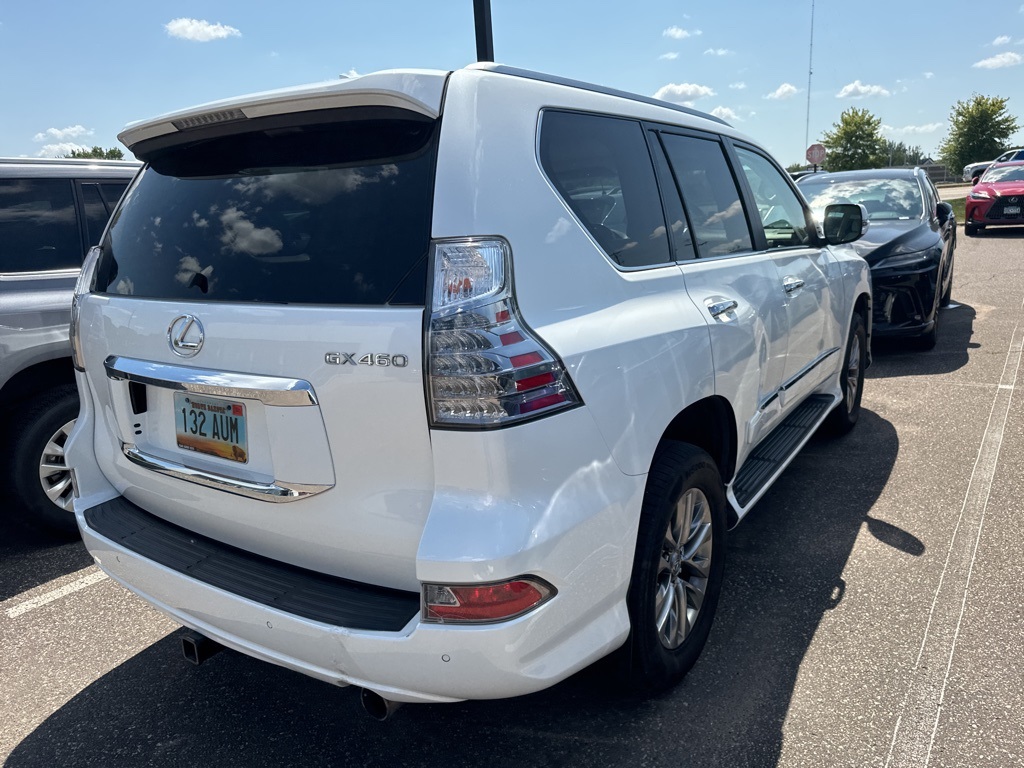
[484,38]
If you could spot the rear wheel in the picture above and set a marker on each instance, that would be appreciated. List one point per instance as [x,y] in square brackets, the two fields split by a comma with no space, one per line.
[677,570]
[39,474]
[851,379]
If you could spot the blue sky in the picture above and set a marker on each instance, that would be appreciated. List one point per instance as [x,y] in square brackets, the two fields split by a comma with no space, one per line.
[73,74]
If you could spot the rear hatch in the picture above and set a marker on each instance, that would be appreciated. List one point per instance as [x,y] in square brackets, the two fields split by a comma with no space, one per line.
[254,341]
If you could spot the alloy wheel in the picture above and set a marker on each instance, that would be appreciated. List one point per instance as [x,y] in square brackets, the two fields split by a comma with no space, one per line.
[684,568]
[853,374]
[54,475]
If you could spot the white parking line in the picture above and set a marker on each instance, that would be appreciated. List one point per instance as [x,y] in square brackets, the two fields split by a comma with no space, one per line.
[55,594]
[920,716]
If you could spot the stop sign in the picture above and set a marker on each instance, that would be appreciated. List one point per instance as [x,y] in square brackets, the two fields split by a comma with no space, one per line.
[816,154]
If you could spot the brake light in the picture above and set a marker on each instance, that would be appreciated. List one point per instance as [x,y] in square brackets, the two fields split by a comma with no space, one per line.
[84,285]
[483,603]
[486,368]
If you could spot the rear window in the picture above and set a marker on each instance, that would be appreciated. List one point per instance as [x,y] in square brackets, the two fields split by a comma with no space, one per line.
[334,210]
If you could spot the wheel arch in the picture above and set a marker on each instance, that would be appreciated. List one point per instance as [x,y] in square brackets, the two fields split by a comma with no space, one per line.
[710,425]
[42,376]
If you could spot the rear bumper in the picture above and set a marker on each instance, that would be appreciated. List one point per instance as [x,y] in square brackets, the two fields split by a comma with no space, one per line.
[419,663]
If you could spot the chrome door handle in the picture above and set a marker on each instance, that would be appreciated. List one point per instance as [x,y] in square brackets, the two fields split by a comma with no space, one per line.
[792,284]
[721,307]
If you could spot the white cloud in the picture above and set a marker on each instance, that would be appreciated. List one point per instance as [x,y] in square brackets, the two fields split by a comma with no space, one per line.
[1007,59]
[61,134]
[668,56]
[59,150]
[929,75]
[678,33]
[724,113]
[859,90]
[683,93]
[718,52]
[199,31]
[913,130]
[738,86]
[784,91]
[1001,40]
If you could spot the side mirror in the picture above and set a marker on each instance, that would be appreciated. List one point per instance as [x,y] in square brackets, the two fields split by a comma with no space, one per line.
[943,211]
[844,222]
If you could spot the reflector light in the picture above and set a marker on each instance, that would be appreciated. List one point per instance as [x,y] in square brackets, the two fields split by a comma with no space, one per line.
[483,603]
[209,118]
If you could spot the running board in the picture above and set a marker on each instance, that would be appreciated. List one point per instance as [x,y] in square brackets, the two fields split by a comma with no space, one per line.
[775,451]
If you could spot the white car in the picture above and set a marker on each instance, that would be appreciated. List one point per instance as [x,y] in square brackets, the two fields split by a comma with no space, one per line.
[449,384]
[974,171]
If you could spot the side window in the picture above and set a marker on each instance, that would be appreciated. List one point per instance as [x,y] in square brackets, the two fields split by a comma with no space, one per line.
[38,229]
[710,195]
[601,168]
[679,229]
[99,199]
[781,213]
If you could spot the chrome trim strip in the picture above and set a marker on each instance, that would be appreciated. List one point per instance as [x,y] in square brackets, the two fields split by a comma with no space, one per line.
[269,390]
[52,274]
[274,492]
[789,384]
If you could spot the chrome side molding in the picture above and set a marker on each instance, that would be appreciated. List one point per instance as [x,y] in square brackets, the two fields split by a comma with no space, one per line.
[269,390]
[276,491]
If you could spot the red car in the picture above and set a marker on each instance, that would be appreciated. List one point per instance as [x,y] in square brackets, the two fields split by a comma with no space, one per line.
[998,199]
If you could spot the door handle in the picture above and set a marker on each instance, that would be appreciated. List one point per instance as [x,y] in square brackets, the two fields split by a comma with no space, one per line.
[721,307]
[792,284]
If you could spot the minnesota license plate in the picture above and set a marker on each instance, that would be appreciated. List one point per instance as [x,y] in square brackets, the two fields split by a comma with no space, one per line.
[211,425]
[1011,210]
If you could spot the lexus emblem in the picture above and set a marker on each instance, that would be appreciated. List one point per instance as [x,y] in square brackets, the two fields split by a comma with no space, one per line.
[185,335]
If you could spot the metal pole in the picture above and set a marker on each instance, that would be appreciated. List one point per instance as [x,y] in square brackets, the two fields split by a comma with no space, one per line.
[810,71]
[484,38]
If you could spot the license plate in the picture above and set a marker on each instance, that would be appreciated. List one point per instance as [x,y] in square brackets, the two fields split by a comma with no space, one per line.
[210,425]
[1011,210]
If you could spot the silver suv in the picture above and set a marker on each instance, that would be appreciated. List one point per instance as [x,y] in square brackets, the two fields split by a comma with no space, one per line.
[448,384]
[51,211]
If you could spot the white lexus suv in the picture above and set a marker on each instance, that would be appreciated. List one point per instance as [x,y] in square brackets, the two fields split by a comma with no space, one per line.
[449,384]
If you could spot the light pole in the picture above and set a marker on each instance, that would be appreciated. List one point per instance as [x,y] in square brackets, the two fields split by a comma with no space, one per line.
[484,37]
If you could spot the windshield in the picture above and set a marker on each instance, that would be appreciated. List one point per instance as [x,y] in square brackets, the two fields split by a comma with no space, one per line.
[1005,173]
[898,199]
[329,212]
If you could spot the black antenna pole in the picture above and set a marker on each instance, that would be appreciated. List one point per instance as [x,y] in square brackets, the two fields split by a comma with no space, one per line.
[484,38]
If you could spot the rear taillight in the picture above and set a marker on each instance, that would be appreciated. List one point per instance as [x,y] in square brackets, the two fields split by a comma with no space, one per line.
[484,603]
[486,367]
[84,285]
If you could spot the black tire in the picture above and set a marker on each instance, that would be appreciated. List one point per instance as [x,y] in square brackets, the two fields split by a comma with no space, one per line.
[851,379]
[947,295]
[38,436]
[684,490]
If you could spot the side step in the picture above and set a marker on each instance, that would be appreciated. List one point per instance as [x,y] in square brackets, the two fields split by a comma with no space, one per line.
[776,449]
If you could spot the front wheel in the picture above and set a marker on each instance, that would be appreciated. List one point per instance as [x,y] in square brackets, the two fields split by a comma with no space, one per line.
[677,569]
[851,378]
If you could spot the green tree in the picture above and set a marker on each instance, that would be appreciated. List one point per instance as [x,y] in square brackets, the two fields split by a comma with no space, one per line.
[979,130]
[855,142]
[899,153]
[97,153]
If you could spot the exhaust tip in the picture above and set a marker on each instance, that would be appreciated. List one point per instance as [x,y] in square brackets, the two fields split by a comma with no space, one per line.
[197,648]
[376,706]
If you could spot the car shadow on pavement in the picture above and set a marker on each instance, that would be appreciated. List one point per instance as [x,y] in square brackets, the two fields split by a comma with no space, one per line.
[784,574]
[902,357]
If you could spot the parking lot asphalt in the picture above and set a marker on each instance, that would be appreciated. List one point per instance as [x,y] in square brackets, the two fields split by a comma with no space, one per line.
[871,614]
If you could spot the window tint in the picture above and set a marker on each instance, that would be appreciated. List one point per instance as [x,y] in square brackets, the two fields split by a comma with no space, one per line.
[38,228]
[710,195]
[679,229]
[328,211]
[780,211]
[602,169]
[98,200]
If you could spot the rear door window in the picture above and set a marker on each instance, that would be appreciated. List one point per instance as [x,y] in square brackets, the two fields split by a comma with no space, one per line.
[709,193]
[602,169]
[782,214]
[334,209]
[98,201]
[38,226]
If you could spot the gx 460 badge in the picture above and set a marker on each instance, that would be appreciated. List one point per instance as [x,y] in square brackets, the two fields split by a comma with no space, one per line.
[371,358]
